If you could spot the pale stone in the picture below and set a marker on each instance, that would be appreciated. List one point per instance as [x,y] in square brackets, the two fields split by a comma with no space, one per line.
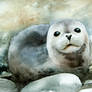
[4,44]
[88,82]
[64,82]
[87,87]
[86,90]
[7,86]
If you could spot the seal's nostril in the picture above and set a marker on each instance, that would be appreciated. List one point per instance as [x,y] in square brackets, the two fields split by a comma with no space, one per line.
[69,37]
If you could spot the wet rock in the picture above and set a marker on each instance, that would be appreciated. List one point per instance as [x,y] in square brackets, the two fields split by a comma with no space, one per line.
[5,74]
[86,90]
[7,86]
[87,87]
[58,83]
[90,68]
[4,44]
[87,82]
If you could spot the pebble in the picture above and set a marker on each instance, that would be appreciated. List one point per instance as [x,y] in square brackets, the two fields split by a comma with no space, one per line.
[7,86]
[64,82]
[87,87]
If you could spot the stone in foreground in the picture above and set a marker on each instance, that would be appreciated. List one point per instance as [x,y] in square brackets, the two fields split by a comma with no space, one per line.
[7,86]
[86,90]
[57,83]
[87,87]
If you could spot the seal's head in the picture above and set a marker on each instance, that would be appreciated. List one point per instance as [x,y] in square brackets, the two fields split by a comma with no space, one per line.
[67,38]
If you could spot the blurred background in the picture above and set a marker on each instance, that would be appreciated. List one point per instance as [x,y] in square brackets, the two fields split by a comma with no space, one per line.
[16,15]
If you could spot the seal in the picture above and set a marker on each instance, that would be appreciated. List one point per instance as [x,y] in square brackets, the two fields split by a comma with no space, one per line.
[44,49]
[68,44]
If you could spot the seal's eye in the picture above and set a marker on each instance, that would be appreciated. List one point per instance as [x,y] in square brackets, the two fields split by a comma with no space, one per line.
[57,33]
[77,30]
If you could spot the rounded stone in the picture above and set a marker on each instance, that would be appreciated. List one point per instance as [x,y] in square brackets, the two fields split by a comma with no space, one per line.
[86,90]
[88,82]
[57,83]
[87,87]
[7,86]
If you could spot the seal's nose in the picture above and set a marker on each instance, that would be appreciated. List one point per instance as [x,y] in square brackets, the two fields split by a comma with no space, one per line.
[69,37]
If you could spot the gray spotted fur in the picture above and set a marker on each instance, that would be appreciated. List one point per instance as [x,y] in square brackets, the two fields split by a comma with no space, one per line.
[28,56]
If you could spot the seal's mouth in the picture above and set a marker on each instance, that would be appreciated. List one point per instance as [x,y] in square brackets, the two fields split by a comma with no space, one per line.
[69,45]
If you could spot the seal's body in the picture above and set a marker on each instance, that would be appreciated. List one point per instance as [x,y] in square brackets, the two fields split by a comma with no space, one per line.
[32,56]
[27,52]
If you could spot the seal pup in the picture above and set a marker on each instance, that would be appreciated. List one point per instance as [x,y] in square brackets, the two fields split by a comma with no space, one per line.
[36,52]
[68,44]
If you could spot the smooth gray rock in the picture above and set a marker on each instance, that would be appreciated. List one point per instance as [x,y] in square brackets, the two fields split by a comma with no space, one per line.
[7,86]
[87,87]
[4,43]
[64,82]
[88,82]
[86,90]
